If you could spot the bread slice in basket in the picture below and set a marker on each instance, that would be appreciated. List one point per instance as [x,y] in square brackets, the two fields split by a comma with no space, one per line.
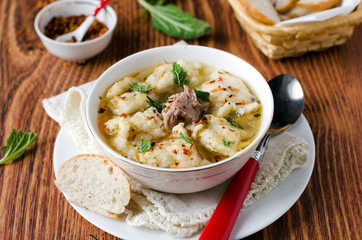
[96,183]
[283,5]
[261,10]
[318,5]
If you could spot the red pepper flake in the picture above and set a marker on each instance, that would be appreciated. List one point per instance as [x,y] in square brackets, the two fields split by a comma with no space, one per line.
[178,100]
[174,151]
[192,158]
[217,158]
[101,110]
[186,151]
[124,115]
[189,131]
[220,79]
[123,98]
[211,82]
[243,102]
[223,127]
[218,89]
[61,25]
[160,147]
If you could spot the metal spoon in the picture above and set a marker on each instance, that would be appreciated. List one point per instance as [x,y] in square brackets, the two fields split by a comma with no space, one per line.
[79,33]
[288,106]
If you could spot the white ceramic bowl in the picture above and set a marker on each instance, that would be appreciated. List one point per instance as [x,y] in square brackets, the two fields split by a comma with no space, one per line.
[191,179]
[75,51]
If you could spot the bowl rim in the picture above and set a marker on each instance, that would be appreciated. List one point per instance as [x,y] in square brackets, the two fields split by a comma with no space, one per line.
[109,10]
[92,129]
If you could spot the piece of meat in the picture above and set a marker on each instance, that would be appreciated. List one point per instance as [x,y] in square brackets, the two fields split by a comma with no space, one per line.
[183,107]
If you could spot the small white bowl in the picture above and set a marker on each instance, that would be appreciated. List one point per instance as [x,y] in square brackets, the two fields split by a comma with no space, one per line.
[75,51]
[190,179]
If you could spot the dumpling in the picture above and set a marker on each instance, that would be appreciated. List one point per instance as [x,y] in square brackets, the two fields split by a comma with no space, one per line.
[121,132]
[229,95]
[149,122]
[173,153]
[219,136]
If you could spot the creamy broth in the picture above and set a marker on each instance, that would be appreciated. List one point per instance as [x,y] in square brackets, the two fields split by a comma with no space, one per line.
[156,136]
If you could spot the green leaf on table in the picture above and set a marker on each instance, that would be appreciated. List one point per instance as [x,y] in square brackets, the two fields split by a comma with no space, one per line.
[93,237]
[16,144]
[174,22]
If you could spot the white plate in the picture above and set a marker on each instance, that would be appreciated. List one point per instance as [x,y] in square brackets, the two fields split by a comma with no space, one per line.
[254,218]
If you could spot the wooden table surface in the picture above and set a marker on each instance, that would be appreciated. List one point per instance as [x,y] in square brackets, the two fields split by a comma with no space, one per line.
[31,207]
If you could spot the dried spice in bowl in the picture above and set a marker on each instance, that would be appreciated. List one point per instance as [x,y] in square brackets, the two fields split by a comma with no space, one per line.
[61,25]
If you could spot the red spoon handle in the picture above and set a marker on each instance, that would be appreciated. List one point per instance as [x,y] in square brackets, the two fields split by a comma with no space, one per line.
[223,219]
[103,2]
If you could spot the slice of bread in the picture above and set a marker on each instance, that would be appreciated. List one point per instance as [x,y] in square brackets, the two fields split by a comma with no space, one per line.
[96,183]
[296,12]
[261,10]
[318,5]
[284,5]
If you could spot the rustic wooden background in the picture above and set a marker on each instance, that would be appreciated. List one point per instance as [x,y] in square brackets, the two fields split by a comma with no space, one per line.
[31,207]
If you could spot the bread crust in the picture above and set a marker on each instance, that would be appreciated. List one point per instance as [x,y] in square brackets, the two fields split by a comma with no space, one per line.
[318,5]
[63,183]
[287,7]
[256,14]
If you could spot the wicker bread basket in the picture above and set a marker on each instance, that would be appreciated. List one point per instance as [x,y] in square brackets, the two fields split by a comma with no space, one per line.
[291,41]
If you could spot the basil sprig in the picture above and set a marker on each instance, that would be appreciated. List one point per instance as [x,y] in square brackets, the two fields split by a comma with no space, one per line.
[233,123]
[145,146]
[139,88]
[179,75]
[153,103]
[185,138]
[174,22]
[202,95]
[227,143]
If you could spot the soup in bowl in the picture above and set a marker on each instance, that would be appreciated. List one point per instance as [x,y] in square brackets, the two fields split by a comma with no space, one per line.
[180,119]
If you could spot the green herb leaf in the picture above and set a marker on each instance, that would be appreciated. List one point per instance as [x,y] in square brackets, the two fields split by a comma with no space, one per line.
[139,88]
[174,22]
[159,107]
[202,95]
[93,236]
[185,138]
[235,124]
[16,144]
[145,146]
[179,75]
[227,143]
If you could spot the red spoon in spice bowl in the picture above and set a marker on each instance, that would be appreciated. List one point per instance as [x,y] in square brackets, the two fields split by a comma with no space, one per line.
[79,33]
[288,106]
